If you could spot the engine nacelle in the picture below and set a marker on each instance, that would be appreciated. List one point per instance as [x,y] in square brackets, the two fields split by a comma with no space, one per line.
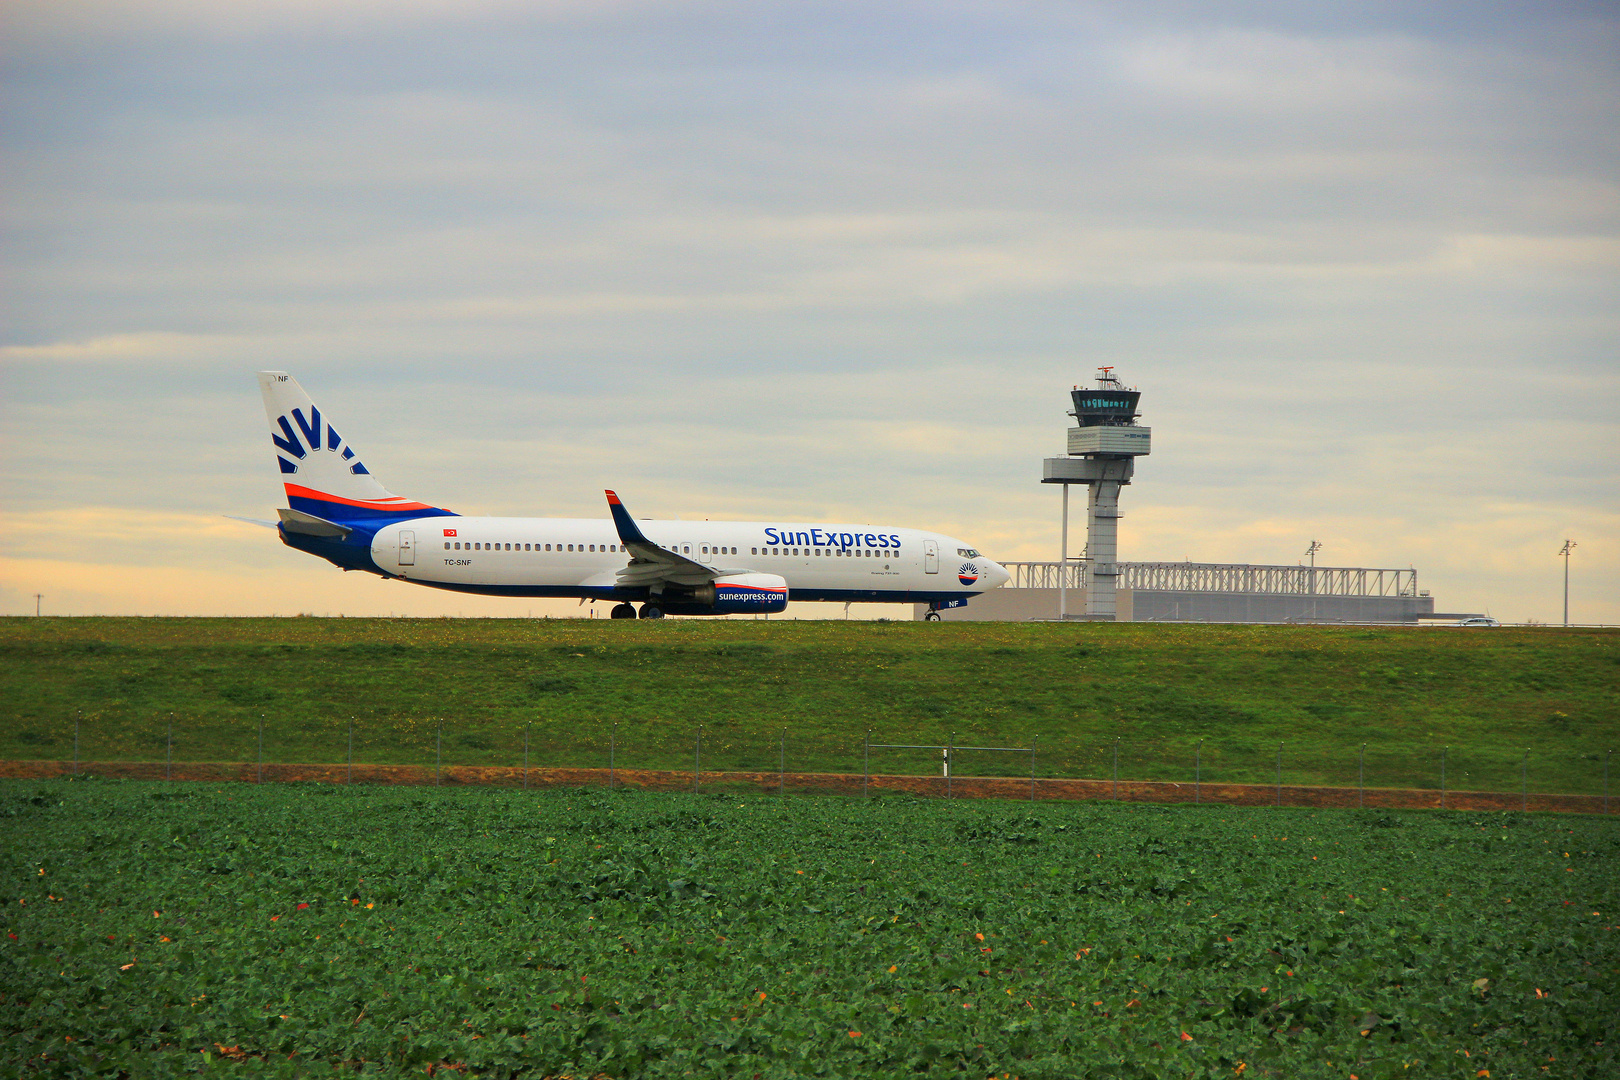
[734,594]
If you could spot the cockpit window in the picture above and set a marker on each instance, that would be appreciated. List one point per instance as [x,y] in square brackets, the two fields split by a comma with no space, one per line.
[968,553]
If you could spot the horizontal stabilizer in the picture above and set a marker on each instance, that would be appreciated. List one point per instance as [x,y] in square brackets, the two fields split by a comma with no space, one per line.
[309,525]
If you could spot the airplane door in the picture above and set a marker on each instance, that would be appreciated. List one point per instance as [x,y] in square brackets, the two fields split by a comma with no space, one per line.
[706,554]
[930,556]
[407,547]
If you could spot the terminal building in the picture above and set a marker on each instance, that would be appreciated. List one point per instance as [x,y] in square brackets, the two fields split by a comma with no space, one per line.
[1102,452]
[1209,592]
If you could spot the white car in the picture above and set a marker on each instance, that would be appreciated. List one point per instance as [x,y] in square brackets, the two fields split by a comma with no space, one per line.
[1478,620]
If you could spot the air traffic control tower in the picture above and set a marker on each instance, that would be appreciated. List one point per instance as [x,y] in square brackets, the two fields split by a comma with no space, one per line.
[1103,449]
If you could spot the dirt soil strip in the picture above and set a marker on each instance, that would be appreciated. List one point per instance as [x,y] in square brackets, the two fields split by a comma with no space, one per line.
[961,787]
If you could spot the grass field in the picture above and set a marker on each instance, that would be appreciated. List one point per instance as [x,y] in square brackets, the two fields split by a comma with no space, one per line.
[156,929]
[1544,703]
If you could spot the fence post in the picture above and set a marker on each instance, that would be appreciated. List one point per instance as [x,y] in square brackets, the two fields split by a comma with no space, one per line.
[613,753]
[438,751]
[1198,773]
[80,715]
[1116,768]
[1279,774]
[259,779]
[1361,777]
[348,777]
[525,755]
[697,759]
[168,754]
[1443,750]
[1033,739]
[866,761]
[1524,782]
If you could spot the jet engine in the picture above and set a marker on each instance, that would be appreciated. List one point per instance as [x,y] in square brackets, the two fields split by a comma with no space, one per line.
[734,594]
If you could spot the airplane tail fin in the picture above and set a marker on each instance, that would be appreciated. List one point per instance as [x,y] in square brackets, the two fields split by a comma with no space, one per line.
[321,472]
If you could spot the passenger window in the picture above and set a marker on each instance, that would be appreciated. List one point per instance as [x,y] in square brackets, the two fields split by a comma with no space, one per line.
[447,545]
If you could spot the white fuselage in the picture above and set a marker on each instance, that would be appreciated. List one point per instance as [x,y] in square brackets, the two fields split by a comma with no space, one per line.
[577,556]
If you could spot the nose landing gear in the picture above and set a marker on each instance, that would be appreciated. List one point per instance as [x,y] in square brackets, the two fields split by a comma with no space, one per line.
[932,616]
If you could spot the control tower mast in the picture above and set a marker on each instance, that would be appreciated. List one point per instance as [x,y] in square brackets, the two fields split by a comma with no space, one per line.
[1102,455]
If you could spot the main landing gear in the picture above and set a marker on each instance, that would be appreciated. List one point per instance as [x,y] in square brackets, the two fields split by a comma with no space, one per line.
[622,611]
[648,611]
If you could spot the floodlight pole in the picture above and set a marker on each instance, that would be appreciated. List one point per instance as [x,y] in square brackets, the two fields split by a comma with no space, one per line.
[1569,545]
[1316,545]
[37,598]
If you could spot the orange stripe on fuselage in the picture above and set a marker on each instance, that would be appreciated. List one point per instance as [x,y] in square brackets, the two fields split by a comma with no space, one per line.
[397,502]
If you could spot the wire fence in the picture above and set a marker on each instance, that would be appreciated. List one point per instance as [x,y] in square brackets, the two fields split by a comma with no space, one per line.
[604,753]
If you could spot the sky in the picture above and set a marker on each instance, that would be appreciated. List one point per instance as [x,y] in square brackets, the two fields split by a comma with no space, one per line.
[813,261]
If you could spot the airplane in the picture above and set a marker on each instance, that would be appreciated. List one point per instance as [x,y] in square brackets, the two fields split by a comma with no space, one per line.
[338,511]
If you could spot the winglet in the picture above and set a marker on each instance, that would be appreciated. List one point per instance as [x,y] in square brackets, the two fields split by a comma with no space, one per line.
[629,532]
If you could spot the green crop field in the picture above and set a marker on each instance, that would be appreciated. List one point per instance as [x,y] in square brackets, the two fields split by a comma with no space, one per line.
[1533,706]
[155,929]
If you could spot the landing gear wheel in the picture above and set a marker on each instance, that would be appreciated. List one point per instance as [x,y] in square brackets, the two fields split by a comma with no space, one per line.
[932,616]
[622,611]
[648,611]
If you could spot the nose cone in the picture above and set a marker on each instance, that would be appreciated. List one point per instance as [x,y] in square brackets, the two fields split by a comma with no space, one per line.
[995,575]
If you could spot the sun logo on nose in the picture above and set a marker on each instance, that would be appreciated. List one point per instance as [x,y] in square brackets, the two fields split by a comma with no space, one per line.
[967,573]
